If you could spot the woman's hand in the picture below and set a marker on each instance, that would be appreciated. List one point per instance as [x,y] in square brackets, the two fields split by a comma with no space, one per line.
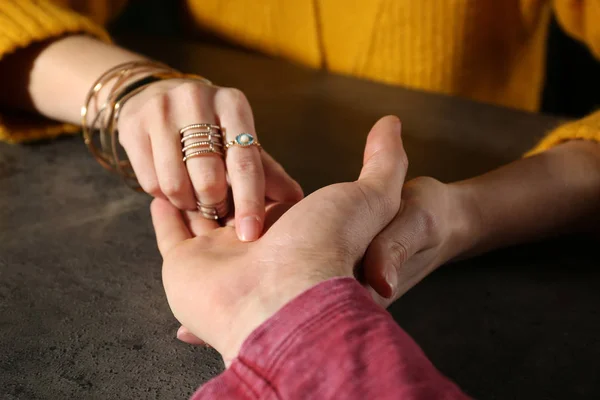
[149,131]
[430,229]
[149,125]
[554,192]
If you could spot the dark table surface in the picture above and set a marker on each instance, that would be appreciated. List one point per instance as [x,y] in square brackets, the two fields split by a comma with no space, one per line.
[82,310]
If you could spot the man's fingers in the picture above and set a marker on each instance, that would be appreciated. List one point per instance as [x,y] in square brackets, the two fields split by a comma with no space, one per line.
[385,162]
[186,336]
[169,225]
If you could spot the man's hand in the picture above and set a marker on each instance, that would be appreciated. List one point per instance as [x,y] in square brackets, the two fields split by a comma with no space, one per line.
[222,289]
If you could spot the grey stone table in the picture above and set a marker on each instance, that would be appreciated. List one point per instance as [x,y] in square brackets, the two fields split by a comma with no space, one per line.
[83,314]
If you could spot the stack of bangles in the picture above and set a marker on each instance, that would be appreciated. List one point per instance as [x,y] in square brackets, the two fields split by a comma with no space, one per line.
[122,83]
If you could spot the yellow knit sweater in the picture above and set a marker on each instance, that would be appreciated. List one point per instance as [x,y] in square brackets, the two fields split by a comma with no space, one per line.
[491,51]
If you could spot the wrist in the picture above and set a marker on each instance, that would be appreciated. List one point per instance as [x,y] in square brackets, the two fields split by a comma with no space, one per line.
[69,66]
[278,290]
[271,292]
[465,226]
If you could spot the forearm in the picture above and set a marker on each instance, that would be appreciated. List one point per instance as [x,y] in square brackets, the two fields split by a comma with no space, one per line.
[331,342]
[555,192]
[54,78]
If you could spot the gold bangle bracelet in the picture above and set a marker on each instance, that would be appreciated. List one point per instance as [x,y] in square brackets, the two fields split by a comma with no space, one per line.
[120,74]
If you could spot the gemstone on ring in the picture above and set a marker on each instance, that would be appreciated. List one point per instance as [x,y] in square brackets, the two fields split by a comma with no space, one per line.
[244,139]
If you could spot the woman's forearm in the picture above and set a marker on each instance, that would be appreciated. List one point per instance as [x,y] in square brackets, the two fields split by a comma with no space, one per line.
[555,192]
[54,78]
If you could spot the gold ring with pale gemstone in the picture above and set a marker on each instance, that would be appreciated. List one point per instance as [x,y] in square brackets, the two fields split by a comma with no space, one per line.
[243,140]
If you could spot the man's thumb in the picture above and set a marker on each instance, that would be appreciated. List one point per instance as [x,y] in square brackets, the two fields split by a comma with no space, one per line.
[384,166]
[385,162]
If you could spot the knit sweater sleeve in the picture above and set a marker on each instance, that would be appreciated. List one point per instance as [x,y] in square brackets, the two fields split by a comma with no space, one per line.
[23,23]
[587,128]
[580,19]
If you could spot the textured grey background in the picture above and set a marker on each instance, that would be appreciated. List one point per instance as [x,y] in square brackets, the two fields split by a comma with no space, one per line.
[82,312]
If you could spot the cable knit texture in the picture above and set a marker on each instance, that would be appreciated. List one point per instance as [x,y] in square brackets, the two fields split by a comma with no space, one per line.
[490,51]
[587,128]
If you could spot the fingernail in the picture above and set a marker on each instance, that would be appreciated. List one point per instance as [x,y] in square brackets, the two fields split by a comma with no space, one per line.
[249,229]
[391,277]
[182,332]
[184,335]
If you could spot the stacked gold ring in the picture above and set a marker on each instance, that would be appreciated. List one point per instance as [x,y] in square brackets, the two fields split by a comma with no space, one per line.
[201,139]
[214,211]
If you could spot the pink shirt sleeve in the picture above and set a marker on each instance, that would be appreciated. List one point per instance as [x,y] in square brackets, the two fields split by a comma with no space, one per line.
[331,342]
